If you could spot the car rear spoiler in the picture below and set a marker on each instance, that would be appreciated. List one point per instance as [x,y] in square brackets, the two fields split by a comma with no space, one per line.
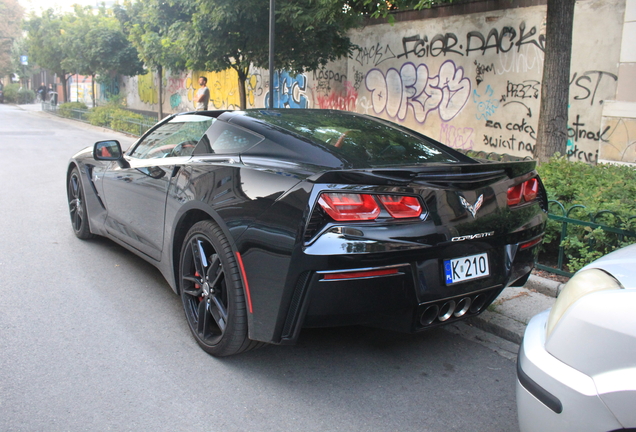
[441,175]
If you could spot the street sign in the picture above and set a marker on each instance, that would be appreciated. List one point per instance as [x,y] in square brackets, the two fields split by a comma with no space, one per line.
[24,60]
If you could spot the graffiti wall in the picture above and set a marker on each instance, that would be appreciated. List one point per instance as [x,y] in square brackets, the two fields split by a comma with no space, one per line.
[471,81]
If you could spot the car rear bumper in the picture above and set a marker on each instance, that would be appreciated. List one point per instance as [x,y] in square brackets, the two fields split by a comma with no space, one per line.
[552,396]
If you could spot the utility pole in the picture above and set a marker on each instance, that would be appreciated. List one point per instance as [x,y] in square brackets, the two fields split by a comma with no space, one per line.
[272,22]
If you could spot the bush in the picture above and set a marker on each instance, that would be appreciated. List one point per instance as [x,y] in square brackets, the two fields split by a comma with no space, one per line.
[101,116]
[65,109]
[605,193]
[13,93]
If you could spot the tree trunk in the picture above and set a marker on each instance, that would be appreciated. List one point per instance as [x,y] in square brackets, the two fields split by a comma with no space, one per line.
[553,119]
[159,90]
[63,79]
[242,78]
[93,90]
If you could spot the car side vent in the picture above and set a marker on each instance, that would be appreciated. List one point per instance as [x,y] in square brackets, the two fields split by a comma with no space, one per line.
[316,222]
[461,180]
[291,322]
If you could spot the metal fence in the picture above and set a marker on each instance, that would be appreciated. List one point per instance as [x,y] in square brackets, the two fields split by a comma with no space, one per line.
[564,217]
[131,126]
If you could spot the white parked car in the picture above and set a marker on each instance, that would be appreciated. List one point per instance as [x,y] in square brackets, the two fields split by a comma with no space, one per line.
[577,363]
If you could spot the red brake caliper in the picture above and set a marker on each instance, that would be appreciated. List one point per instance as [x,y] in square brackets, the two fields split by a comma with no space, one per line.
[197,286]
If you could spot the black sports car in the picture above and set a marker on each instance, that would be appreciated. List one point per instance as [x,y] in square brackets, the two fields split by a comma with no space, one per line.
[267,221]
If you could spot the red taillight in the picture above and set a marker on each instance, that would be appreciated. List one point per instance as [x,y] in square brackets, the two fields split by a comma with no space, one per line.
[530,189]
[526,191]
[401,206]
[514,194]
[349,207]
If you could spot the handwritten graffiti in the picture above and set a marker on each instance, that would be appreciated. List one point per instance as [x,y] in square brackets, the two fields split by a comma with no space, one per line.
[486,104]
[573,151]
[325,78]
[457,137]
[508,143]
[448,43]
[576,132]
[372,56]
[504,41]
[529,111]
[289,91]
[527,89]
[440,44]
[529,57]
[586,85]
[345,100]
[482,70]
[413,87]
[147,89]
[512,126]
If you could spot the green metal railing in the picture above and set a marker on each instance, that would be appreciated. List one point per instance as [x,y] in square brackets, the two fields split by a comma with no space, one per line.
[130,126]
[566,219]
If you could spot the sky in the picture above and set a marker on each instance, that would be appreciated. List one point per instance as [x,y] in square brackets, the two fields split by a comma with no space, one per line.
[62,5]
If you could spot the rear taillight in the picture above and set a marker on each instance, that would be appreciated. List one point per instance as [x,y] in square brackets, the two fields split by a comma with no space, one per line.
[349,207]
[401,206]
[523,192]
[360,207]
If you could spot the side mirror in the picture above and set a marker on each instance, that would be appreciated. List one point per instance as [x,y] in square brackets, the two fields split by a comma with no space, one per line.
[109,151]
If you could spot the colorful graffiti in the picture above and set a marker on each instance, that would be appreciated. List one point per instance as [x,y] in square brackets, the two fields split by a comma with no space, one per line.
[345,100]
[289,91]
[147,88]
[413,87]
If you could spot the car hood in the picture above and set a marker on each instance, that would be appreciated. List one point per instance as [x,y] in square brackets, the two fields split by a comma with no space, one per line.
[621,264]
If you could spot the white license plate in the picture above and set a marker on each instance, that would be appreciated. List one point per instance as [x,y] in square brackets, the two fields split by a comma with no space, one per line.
[466,268]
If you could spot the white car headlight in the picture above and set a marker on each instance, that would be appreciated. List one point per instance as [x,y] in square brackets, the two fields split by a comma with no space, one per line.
[581,284]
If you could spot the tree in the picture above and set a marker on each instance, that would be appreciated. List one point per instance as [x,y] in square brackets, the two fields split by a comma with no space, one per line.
[47,43]
[11,13]
[234,34]
[552,135]
[152,27]
[98,46]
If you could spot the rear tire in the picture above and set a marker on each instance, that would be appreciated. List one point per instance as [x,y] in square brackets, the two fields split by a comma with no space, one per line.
[212,292]
[77,206]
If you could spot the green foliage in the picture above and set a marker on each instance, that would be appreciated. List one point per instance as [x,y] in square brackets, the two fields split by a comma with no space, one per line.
[608,194]
[115,117]
[14,94]
[65,109]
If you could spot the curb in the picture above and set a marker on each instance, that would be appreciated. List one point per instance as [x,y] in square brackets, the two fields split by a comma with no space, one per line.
[507,327]
[544,286]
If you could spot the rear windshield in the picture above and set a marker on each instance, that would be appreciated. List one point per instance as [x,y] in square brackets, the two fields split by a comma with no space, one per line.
[359,138]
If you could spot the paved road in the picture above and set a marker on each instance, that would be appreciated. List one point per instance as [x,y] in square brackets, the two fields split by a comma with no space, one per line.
[93,339]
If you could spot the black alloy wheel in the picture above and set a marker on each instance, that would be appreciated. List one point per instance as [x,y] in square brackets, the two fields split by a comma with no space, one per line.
[212,292]
[77,206]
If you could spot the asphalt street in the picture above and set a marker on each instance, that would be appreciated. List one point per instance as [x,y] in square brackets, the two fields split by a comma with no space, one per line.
[92,338]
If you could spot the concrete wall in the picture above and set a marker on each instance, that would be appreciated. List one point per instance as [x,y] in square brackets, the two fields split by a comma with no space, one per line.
[471,80]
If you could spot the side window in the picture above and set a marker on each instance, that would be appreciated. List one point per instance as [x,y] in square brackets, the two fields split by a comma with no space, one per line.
[224,138]
[178,137]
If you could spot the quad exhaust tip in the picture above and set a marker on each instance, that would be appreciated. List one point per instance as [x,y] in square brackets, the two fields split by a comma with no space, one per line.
[455,308]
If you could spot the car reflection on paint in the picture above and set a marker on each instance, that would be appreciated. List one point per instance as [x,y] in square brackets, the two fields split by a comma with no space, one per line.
[269,221]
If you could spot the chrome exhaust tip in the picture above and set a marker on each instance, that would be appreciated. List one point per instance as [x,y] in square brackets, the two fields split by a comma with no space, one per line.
[478,303]
[446,311]
[429,315]
[462,307]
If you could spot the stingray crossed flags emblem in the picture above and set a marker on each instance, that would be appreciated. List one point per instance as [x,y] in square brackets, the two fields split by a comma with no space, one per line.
[472,208]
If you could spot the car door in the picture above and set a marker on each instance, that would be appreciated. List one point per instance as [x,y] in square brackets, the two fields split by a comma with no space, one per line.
[135,195]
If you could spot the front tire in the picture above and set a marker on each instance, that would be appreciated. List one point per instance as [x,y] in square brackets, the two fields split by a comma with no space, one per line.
[77,206]
[212,292]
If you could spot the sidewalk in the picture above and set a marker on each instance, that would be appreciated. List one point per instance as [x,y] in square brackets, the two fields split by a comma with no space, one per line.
[509,314]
